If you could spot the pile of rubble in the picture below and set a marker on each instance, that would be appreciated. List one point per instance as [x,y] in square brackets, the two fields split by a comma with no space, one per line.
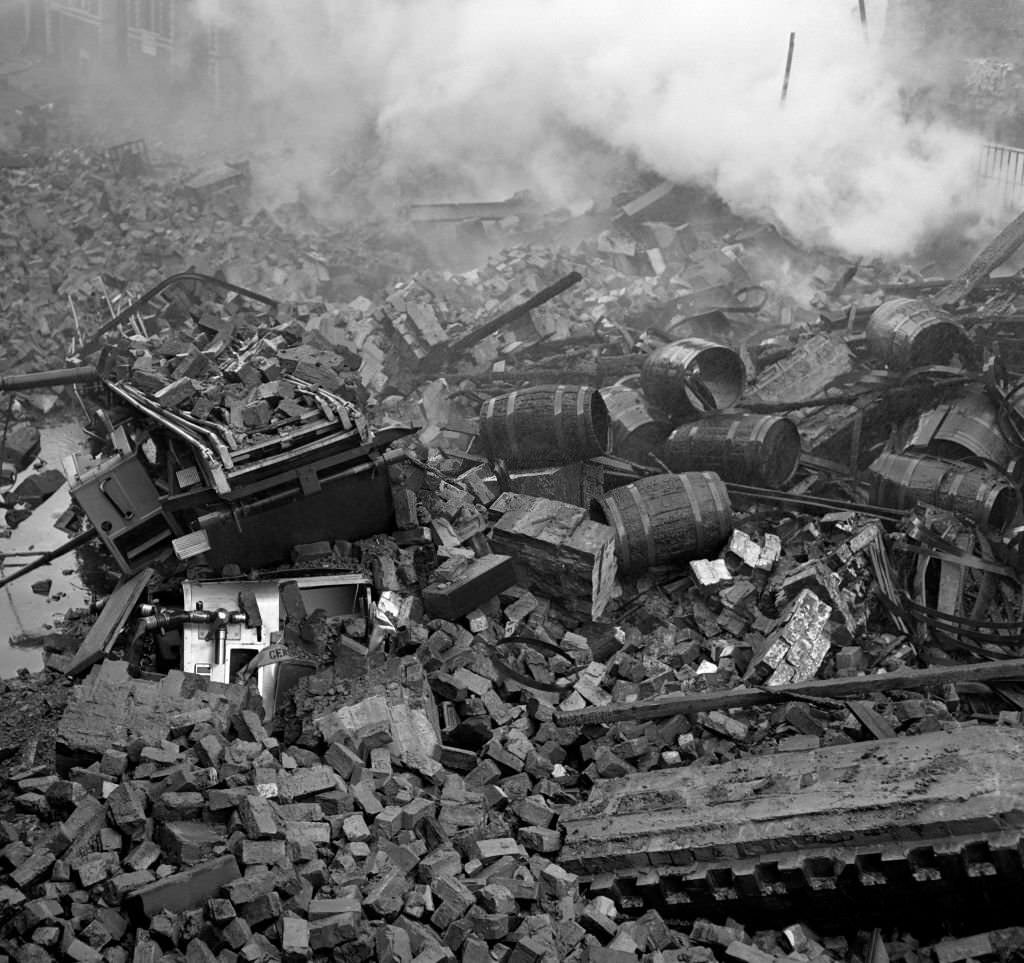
[79,239]
[198,835]
[593,597]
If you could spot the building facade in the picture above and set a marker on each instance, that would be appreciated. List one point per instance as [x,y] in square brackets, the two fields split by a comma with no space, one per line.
[964,58]
[162,41]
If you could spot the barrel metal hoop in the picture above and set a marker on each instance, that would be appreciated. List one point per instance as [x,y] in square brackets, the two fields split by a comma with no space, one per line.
[950,484]
[761,435]
[559,427]
[614,516]
[734,427]
[720,500]
[905,481]
[510,430]
[992,488]
[717,490]
[900,342]
[645,522]
[583,400]
[488,424]
[698,516]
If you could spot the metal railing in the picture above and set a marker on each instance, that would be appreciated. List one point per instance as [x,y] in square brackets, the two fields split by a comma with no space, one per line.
[1001,175]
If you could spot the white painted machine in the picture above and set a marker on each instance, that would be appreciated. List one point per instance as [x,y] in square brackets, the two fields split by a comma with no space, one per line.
[221,637]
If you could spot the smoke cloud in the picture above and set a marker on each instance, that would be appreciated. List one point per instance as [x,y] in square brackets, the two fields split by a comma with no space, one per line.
[476,99]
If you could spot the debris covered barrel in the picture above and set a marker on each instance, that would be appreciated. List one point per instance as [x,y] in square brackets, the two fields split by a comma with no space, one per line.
[908,332]
[900,481]
[666,518]
[749,449]
[636,431]
[693,375]
[544,426]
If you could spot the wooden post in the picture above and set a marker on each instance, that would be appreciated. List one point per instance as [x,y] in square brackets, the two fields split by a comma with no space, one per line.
[789,67]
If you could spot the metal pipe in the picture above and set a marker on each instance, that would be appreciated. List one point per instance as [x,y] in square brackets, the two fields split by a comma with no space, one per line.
[132,308]
[49,379]
[803,502]
[77,542]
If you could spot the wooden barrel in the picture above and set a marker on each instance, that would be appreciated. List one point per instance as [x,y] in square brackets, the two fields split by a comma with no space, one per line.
[967,429]
[637,432]
[666,518]
[900,481]
[693,375]
[544,426]
[748,449]
[907,332]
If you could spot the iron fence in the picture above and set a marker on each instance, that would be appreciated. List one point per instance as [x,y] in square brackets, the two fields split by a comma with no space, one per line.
[1001,175]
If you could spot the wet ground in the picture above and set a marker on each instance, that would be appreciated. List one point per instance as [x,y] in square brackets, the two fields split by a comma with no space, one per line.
[21,610]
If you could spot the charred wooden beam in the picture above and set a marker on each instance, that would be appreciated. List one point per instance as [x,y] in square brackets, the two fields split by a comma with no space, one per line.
[994,253]
[514,314]
[472,211]
[856,687]
[942,808]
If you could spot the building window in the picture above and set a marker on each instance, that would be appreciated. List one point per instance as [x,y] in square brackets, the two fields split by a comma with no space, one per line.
[156,16]
[91,7]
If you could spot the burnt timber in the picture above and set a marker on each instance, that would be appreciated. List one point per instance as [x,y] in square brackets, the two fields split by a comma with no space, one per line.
[932,813]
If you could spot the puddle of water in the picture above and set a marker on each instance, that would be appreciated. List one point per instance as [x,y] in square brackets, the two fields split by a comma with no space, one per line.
[21,610]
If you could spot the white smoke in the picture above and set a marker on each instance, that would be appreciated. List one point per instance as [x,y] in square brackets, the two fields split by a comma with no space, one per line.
[500,95]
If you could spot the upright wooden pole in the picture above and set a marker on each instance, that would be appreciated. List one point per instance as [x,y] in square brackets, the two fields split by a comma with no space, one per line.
[789,67]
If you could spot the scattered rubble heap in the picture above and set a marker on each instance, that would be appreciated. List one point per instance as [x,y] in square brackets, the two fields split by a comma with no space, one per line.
[747,596]
[196,834]
[229,366]
[71,228]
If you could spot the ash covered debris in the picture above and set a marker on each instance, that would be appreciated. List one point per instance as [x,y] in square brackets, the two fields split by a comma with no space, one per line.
[432,789]
[572,607]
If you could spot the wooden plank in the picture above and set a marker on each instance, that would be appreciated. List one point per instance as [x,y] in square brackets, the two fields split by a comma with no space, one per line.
[965,948]
[112,619]
[992,255]
[1011,692]
[941,789]
[645,200]
[871,720]
[877,952]
[466,211]
[690,704]
[506,318]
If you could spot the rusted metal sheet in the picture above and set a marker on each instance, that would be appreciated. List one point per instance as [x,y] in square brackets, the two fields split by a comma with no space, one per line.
[968,427]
